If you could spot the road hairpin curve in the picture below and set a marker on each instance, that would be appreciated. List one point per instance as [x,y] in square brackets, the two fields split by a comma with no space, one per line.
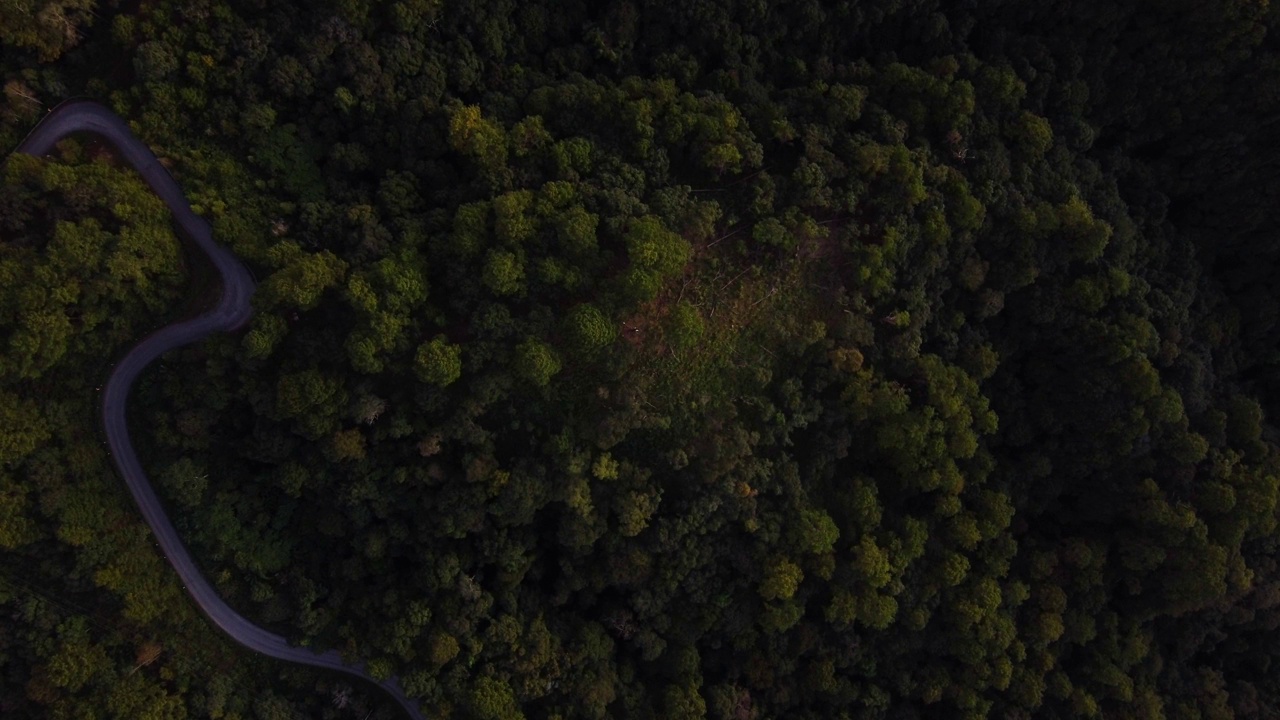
[231,313]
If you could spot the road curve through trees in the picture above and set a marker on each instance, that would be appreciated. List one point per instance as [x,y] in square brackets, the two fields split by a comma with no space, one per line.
[232,312]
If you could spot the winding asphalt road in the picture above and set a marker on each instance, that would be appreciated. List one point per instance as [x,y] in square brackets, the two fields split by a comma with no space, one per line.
[231,313]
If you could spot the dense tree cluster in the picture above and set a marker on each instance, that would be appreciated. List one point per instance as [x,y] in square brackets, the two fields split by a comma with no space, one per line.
[655,359]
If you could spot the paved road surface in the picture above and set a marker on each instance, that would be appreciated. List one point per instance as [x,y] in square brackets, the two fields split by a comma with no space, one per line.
[232,312]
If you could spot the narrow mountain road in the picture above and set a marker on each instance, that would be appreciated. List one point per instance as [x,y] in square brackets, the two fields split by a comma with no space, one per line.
[232,312]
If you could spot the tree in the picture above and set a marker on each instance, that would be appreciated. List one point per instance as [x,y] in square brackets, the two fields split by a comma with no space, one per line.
[588,328]
[781,579]
[187,481]
[577,231]
[536,362]
[685,326]
[348,444]
[871,563]
[312,398]
[138,697]
[302,279]
[653,247]
[48,27]
[438,362]
[148,652]
[1032,134]
[683,701]
[477,137]
[512,223]
[493,699]
[503,273]
[22,428]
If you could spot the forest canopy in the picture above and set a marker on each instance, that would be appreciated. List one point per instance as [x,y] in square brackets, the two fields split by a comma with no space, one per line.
[648,359]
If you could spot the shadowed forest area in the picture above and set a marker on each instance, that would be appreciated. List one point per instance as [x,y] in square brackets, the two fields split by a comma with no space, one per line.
[654,358]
